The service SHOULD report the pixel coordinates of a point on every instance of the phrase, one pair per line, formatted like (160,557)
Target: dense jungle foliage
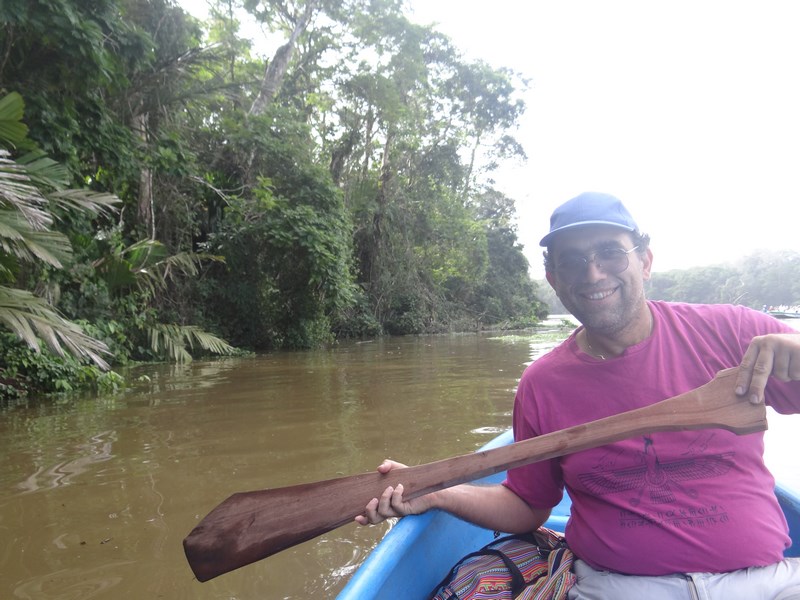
(164,192)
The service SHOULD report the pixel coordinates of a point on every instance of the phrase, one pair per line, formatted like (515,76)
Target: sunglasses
(609,260)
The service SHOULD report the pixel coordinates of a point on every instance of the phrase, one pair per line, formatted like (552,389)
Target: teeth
(599,295)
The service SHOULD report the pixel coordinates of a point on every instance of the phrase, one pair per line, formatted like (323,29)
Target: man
(663,516)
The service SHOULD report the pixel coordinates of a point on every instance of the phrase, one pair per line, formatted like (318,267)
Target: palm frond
(43,170)
(145,253)
(17,191)
(149,266)
(171,340)
(168,340)
(9,267)
(132,266)
(19,239)
(31,318)
(86,200)
(207,341)
(186,263)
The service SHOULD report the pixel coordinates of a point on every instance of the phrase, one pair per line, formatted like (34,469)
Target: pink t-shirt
(670,502)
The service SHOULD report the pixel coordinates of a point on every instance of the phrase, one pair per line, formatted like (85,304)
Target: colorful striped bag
(535,566)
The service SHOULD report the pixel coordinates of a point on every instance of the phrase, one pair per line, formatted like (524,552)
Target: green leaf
(12,130)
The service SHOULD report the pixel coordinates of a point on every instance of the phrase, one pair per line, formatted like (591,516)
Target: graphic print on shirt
(653,482)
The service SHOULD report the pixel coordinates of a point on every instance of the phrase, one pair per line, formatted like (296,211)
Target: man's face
(601,300)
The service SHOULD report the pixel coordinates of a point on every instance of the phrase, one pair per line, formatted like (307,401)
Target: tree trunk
(277,67)
(368,129)
(377,219)
(145,203)
(468,177)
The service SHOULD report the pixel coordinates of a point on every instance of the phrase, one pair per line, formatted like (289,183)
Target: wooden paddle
(249,526)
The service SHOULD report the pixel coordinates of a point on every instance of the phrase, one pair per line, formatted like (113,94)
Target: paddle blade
(249,526)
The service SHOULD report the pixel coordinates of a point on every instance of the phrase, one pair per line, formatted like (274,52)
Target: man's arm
(493,507)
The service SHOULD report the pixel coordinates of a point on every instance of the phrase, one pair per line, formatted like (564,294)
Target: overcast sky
(688,111)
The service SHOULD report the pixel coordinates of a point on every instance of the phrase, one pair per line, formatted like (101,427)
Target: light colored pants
(780,581)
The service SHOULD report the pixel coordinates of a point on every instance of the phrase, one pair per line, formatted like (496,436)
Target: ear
(647,264)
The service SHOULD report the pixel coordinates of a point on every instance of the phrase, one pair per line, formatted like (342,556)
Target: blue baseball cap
(590,208)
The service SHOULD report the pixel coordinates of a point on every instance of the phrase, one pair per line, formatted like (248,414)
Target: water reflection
(73,584)
(96,450)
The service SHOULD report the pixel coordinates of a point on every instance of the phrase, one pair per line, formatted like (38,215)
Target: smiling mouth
(601,295)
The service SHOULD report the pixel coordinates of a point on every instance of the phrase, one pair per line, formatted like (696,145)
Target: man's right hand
(391,503)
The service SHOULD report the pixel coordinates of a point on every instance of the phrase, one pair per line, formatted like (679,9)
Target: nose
(593,270)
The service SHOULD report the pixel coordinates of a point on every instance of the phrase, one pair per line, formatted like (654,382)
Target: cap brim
(545,241)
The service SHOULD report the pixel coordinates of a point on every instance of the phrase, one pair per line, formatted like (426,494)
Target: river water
(96,494)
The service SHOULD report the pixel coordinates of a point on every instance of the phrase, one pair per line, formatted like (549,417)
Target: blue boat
(419,551)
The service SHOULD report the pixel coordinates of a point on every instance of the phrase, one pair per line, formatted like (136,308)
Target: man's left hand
(774,354)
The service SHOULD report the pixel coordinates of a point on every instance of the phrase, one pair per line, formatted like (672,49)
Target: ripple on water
(488,430)
(70,584)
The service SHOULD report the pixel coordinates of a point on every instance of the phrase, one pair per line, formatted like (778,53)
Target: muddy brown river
(96,494)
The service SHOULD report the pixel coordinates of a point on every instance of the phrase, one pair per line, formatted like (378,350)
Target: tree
(286,242)
(405,119)
(507,293)
(771,278)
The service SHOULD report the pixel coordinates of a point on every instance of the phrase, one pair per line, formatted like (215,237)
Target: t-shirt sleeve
(540,484)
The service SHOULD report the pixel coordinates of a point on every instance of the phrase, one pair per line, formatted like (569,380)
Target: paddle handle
(250,526)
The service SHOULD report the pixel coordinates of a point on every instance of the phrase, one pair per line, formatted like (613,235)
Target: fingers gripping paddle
(250,526)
